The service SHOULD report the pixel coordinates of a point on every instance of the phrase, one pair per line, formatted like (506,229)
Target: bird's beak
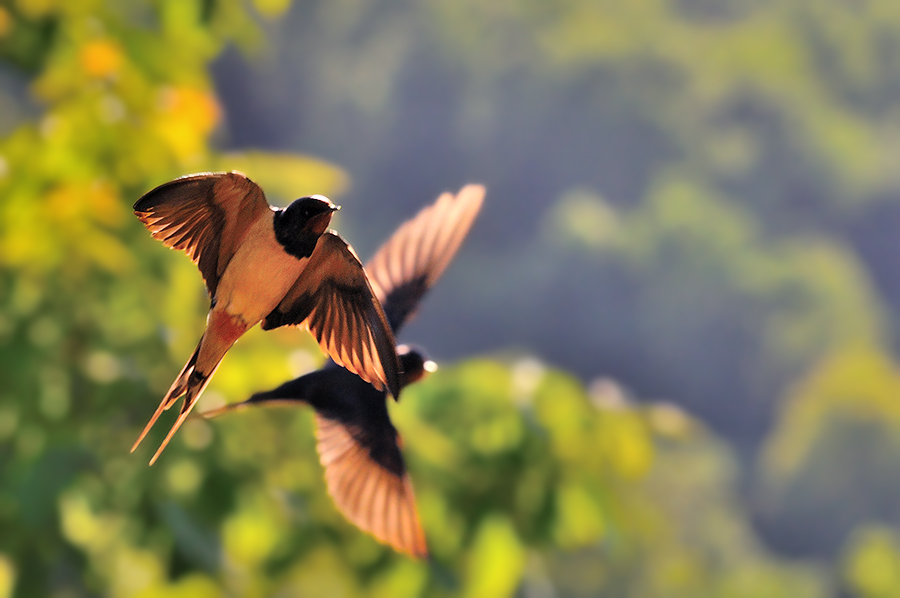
(319,223)
(428,367)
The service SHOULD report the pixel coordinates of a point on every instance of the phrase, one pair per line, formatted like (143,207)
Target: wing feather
(335,302)
(416,255)
(206,215)
(376,499)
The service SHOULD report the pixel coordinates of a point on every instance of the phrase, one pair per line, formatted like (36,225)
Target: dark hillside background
(668,348)
(778,118)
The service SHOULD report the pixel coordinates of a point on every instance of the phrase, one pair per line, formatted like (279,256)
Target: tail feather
(178,388)
(224,409)
(264,402)
(191,383)
(198,385)
(290,393)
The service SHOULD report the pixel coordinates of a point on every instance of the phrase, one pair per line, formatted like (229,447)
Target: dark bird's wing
(359,449)
(416,255)
(335,302)
(367,479)
(206,215)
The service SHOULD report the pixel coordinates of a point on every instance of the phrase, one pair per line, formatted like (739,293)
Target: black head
(414,363)
(299,226)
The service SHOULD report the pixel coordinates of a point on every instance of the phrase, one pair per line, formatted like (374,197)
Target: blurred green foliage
(528,483)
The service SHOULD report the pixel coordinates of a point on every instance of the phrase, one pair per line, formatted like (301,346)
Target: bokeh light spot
(44,333)
(301,362)
(55,393)
(197,434)
(9,419)
(184,476)
(7,577)
(102,367)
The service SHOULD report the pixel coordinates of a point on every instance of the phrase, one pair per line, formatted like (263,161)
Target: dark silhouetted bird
(357,444)
(278,266)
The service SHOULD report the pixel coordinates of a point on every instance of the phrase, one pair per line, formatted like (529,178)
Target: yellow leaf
(192,585)
(105,204)
(6,25)
(133,571)
(496,560)
(272,8)
(250,535)
(579,521)
(185,119)
(100,58)
(7,577)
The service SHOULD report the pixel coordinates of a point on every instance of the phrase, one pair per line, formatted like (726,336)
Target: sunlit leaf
(496,560)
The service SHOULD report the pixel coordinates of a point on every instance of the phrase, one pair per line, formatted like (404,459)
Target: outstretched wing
(206,215)
(367,480)
(335,302)
(359,449)
(416,255)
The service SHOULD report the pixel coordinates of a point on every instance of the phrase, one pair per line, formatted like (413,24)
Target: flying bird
(277,266)
(357,444)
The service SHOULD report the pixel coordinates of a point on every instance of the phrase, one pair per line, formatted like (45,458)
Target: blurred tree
(695,297)
(106,116)
(831,462)
(871,563)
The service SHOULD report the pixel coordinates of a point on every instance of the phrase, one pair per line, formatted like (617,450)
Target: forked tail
(197,385)
(189,383)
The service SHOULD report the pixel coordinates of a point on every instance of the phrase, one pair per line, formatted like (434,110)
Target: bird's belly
(256,280)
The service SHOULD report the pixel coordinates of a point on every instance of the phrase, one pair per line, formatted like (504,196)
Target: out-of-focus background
(667,347)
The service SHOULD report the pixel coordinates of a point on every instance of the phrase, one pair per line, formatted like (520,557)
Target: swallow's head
(414,363)
(310,214)
(299,226)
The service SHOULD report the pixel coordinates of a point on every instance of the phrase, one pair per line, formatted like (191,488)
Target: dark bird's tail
(288,394)
(224,409)
(257,399)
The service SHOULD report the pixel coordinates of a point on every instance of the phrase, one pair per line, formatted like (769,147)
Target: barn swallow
(277,266)
(357,444)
